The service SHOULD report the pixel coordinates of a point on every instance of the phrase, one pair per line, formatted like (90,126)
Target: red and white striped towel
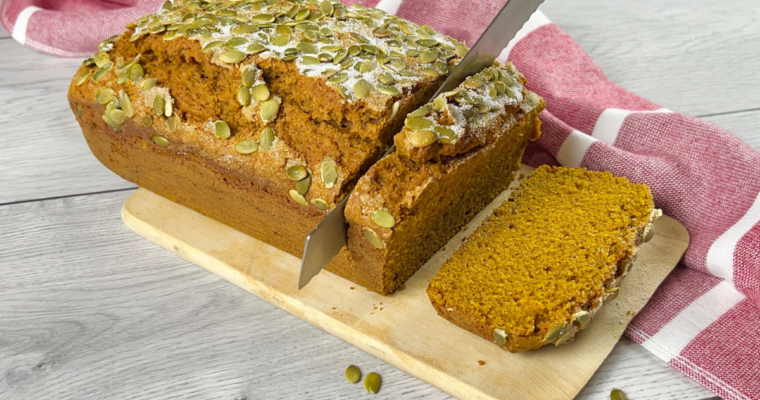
(705,318)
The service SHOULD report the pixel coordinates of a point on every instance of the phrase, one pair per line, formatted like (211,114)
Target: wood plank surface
(745,125)
(89,308)
(42,149)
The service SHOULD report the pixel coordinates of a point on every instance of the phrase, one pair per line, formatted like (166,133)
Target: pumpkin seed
(255,48)
(329,73)
(506,78)
(322,205)
(281,40)
(362,88)
(302,186)
(266,139)
(386,79)
(394,109)
(107,119)
(298,198)
(325,57)
(461,50)
(555,332)
(105,96)
(331,48)
(79,110)
(372,383)
(296,172)
(160,140)
(306,47)
(353,374)
(123,77)
(235,42)
(382,33)
(309,60)
(246,147)
(389,90)
(354,50)
(369,49)
(243,29)
(384,218)
(499,337)
(311,36)
(126,105)
(343,91)
(136,72)
(171,123)
(158,105)
(325,31)
(101,72)
(326,7)
(168,109)
(249,77)
(569,334)
(617,394)
(373,239)
(147,120)
(611,294)
(260,92)
(88,62)
(213,45)
(346,63)
(649,234)
(222,129)
(232,56)
(81,78)
(243,96)
(148,84)
(359,38)
(283,30)
(428,56)
(269,109)
(431,72)
(101,59)
(417,123)
(427,42)
(367,66)
(329,170)
(583,318)
(404,27)
(302,14)
(117,116)
(262,18)
(422,138)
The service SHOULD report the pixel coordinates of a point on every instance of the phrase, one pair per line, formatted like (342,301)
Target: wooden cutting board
(404,329)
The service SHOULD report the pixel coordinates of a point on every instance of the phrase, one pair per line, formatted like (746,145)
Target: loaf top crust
(467,117)
(269,89)
(542,265)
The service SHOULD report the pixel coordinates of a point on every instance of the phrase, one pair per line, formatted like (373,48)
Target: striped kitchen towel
(705,318)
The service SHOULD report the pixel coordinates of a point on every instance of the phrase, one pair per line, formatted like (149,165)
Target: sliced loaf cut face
(541,267)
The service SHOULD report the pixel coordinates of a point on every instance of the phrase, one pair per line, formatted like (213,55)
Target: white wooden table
(89,310)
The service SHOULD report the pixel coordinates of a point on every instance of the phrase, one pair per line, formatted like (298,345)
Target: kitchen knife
(326,240)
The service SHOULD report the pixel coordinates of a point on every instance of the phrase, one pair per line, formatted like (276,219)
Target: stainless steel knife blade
(326,240)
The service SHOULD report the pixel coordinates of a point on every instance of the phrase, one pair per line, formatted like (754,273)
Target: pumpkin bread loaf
(259,114)
(453,157)
(540,268)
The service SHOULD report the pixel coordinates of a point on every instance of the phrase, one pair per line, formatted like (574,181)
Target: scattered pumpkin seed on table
(617,394)
(353,374)
(372,383)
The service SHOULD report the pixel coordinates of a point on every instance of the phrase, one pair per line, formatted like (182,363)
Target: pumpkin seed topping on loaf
(541,267)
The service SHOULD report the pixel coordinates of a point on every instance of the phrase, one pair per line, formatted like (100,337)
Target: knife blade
(326,240)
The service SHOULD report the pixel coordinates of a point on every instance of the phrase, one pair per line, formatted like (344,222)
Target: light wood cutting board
(404,329)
